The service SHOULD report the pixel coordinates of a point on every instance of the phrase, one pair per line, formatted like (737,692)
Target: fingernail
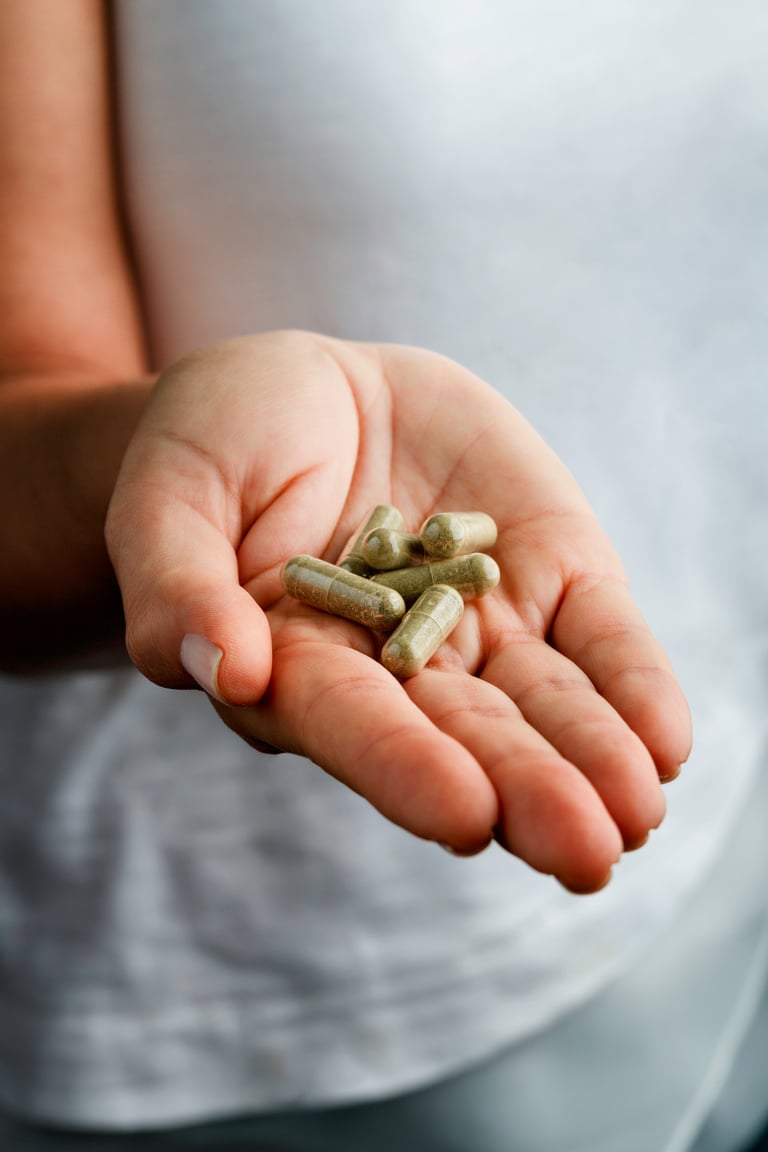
(201,659)
(673,775)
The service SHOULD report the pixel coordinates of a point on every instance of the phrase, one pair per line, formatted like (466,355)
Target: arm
(551,714)
(72,364)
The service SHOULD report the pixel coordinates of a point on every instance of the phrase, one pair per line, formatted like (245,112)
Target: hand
(550,714)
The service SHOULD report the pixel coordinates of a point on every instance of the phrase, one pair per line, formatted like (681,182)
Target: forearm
(62,439)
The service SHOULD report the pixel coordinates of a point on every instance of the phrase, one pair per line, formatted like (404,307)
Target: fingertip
(581,877)
(674,747)
(592,870)
(231,658)
(589,888)
(225,677)
(206,634)
(662,720)
(639,806)
(457,805)
(669,755)
(466,853)
(561,827)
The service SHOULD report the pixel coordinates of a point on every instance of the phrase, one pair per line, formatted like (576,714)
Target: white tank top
(189,928)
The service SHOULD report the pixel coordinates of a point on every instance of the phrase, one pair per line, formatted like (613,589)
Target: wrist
(62,440)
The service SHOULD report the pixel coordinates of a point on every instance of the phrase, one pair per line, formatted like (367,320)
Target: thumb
(188,619)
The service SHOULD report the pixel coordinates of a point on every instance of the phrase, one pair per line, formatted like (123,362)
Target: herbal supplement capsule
(456,533)
(472,576)
(334,590)
(422,630)
(385,548)
(382,516)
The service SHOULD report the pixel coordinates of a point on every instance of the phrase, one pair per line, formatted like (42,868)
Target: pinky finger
(600,628)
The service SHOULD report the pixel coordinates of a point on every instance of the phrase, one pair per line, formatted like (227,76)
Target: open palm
(550,714)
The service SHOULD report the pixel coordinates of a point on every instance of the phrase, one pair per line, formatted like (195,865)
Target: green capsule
(456,533)
(472,576)
(422,630)
(342,593)
(386,548)
(382,516)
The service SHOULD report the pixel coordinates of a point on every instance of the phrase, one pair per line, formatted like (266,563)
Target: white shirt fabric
(567,200)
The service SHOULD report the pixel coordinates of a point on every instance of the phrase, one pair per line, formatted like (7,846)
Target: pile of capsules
(413,583)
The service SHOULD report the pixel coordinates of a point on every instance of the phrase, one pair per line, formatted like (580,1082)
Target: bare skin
(73,371)
(549,717)
(551,713)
